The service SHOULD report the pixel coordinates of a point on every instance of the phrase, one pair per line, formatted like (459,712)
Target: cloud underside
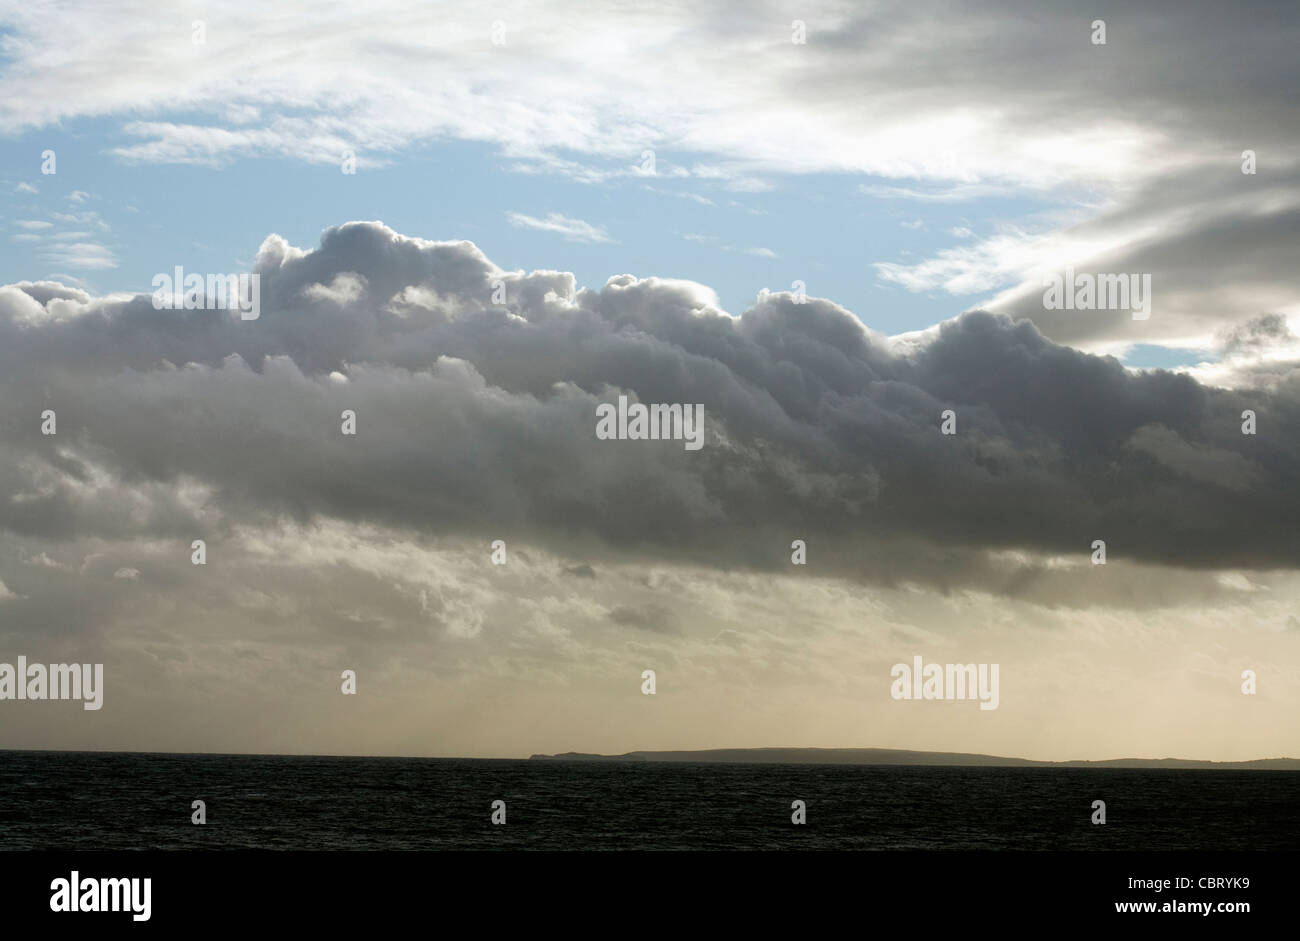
(476,420)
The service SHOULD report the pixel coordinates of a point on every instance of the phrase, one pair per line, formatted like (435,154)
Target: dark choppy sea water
(62,801)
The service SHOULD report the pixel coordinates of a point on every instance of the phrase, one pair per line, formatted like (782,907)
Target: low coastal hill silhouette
(898,756)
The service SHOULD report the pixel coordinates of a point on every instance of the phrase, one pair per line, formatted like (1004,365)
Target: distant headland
(898,756)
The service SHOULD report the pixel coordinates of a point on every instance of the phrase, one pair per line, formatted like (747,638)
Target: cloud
(1145,171)
(943,194)
(1217,466)
(1261,353)
(43,559)
(757,251)
(69,247)
(476,415)
(1250,226)
(1268,331)
(694,197)
(477,418)
(654,618)
(346,288)
(81,255)
(573,229)
(709,88)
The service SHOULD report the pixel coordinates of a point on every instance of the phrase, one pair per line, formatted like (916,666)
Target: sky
(827,243)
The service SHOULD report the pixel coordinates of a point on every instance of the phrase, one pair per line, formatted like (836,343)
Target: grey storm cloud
(1223,258)
(1260,333)
(478,419)
(654,618)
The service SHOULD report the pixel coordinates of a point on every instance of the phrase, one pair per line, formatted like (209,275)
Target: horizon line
(575,755)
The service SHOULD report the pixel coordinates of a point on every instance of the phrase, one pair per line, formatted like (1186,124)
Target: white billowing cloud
(346,288)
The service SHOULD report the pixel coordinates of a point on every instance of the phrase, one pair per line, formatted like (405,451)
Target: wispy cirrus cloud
(574,230)
(86,255)
(757,251)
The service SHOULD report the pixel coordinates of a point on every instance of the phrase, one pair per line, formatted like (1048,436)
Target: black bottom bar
(662,891)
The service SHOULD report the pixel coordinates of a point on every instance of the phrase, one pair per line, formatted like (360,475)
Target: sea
(125,801)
